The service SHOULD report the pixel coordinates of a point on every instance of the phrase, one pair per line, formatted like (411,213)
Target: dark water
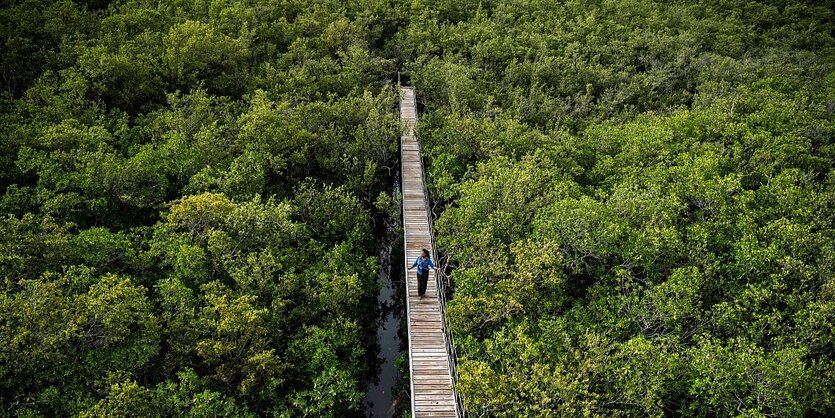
(385,392)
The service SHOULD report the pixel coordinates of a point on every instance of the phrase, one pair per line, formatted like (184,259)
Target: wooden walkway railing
(431,354)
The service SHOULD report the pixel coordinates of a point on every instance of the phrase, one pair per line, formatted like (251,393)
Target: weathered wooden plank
(426,339)
(435,337)
(419,363)
(423,346)
(435,350)
(423,408)
(438,337)
(431,393)
(426,344)
(425,327)
(437,414)
(431,371)
(439,357)
(428,308)
(431,380)
(422,352)
(433,388)
(417,354)
(440,366)
(428,319)
(427,394)
(427,334)
(440,398)
(447,404)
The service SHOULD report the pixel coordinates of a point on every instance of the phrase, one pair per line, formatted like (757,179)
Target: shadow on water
(385,395)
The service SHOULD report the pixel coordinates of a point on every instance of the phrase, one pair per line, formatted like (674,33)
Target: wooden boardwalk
(431,378)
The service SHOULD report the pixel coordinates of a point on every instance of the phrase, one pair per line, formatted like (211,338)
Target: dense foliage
(187,197)
(640,198)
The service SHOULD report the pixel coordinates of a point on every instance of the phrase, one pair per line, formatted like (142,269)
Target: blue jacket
(423,267)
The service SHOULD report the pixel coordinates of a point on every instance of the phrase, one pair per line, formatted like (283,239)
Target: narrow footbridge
(431,354)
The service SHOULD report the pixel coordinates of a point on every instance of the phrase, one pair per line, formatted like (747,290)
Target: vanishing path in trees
(433,393)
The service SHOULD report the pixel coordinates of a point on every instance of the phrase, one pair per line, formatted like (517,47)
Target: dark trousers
(422,280)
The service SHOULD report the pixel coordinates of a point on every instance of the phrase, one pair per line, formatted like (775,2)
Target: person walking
(423,264)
